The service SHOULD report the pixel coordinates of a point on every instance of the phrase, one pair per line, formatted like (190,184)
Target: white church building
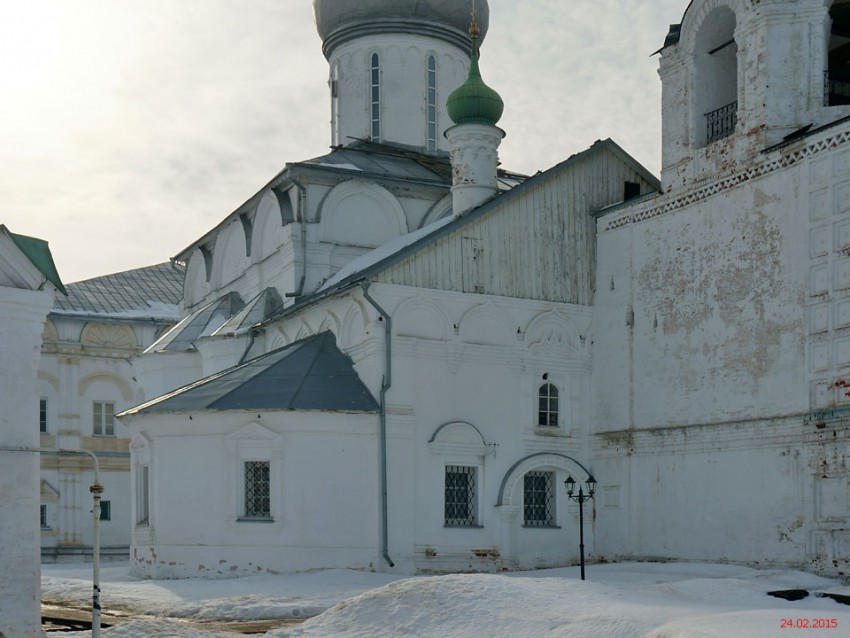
(393,356)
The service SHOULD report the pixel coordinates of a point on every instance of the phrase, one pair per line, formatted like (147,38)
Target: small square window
(460,496)
(106,510)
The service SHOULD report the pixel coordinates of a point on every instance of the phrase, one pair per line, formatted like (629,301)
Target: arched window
(547,406)
(837,80)
(375,75)
(431,123)
(716,80)
(335,104)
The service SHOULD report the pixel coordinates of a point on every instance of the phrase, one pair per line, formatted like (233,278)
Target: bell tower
(739,77)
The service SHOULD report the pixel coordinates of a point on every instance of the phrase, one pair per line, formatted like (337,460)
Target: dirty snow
(650,600)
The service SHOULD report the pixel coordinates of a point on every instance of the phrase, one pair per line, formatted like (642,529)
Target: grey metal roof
(201,323)
(340,21)
(373,159)
(260,308)
(311,374)
(151,292)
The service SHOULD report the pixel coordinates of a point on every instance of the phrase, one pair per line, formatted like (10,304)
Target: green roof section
(473,102)
(38,252)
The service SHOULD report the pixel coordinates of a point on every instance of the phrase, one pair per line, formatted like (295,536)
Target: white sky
(129,128)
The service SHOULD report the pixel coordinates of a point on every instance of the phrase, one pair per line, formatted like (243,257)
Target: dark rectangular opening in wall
(630,190)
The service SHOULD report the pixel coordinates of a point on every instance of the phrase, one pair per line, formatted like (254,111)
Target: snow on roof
(380,253)
(150,292)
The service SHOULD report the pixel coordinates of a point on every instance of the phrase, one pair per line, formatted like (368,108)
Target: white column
(475,160)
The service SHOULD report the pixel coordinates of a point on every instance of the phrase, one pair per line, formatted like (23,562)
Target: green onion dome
(473,101)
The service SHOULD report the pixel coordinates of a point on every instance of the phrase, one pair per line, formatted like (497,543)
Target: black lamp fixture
(580,498)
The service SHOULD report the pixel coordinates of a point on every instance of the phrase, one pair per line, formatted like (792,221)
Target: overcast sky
(128,128)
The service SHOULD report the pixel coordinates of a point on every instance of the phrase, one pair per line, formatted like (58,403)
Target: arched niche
(486,324)
(551,333)
(196,282)
(421,319)
(230,257)
(442,208)
(108,335)
(509,494)
(49,334)
(459,437)
(356,213)
(102,377)
(353,326)
(330,323)
(268,226)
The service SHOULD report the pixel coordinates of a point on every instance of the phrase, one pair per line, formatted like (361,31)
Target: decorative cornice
(730,181)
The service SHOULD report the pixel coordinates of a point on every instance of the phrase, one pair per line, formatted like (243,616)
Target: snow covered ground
(628,600)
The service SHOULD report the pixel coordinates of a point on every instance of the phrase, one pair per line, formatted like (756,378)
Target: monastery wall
(731,350)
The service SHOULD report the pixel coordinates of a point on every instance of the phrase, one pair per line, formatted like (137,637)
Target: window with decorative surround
(103,421)
(547,405)
(538,499)
(257,490)
(460,496)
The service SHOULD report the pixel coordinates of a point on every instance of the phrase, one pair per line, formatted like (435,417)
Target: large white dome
(339,21)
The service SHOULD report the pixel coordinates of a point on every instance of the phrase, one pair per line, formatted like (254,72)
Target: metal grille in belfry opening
(460,495)
(257,502)
(538,495)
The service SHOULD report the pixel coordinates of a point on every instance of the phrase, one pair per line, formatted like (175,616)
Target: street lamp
(580,498)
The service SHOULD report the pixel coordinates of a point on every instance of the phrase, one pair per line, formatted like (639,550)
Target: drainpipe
(251,334)
(96,489)
(386,383)
(302,204)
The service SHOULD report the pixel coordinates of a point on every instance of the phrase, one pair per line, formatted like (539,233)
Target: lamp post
(580,498)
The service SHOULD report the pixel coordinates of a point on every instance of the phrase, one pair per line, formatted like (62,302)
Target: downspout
(251,334)
(302,204)
(386,383)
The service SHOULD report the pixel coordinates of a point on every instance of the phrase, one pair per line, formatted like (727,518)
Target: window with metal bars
(431,123)
(42,415)
(547,405)
(375,79)
(257,489)
(460,506)
(539,499)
